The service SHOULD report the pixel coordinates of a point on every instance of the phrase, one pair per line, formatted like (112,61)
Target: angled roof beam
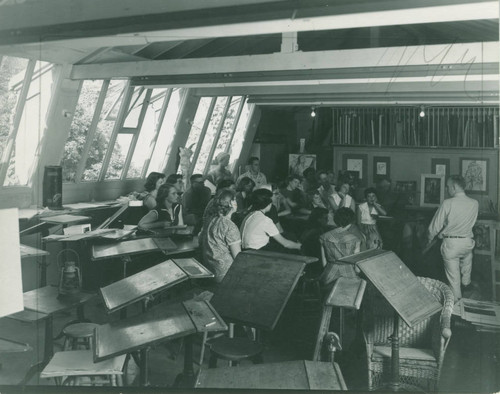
(282,19)
(438,58)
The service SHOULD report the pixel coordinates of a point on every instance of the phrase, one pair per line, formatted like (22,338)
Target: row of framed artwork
(474,170)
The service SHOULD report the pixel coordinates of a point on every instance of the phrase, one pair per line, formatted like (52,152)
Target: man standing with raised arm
(453,223)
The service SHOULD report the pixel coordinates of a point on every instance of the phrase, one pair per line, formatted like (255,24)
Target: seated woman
(153,182)
(258,231)
(342,199)
(168,211)
(177,181)
(243,191)
(220,171)
(342,241)
(315,227)
(222,241)
(295,197)
(367,219)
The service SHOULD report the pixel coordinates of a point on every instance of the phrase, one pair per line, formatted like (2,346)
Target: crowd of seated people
(250,214)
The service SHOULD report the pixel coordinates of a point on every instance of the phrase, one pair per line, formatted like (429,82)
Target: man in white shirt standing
(453,223)
(254,173)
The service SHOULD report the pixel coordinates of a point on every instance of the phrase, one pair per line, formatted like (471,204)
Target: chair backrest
(378,325)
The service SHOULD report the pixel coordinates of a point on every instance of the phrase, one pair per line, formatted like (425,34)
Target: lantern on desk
(70,278)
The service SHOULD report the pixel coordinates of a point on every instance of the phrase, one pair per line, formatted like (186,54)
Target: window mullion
(217,135)
(133,143)
(245,136)
(91,132)
(158,125)
(4,165)
(120,119)
(203,133)
(235,123)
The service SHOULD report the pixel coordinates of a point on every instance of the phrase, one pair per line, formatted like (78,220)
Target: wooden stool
(78,334)
(72,367)
(234,350)
(309,291)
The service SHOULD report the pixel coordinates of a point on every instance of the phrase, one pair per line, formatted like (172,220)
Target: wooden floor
(471,363)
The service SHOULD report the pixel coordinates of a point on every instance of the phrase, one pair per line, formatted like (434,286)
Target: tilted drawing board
(399,286)
(257,287)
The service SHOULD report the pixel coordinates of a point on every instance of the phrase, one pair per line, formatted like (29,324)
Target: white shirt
(366,213)
(256,230)
(347,200)
(456,215)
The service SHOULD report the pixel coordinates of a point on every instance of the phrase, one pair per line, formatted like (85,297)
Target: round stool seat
(235,349)
(80,330)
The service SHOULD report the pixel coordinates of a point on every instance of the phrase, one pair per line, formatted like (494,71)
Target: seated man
(295,197)
(253,173)
(195,200)
(342,241)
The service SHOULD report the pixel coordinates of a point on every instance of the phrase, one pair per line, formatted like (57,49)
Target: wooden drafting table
(65,220)
(29,251)
(290,375)
(131,247)
(160,323)
(152,280)
(257,287)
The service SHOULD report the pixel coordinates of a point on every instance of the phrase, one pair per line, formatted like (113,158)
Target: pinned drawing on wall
(297,163)
(440,167)
(357,163)
(381,167)
(475,173)
(431,190)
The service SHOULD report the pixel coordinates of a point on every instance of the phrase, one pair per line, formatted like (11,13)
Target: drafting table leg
(322,330)
(186,378)
(144,366)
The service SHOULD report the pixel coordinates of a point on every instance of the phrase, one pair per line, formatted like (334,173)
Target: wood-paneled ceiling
(312,50)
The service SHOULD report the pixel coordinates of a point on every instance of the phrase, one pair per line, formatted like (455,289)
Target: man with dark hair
(295,197)
(342,241)
(195,200)
(253,173)
(453,222)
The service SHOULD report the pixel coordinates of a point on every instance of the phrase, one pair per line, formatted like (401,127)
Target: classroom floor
(471,363)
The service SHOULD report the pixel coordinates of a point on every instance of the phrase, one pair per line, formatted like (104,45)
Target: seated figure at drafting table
(168,211)
(222,241)
(344,240)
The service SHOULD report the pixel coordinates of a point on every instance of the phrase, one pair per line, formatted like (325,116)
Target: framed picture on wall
(431,190)
(297,163)
(475,173)
(440,167)
(381,167)
(356,162)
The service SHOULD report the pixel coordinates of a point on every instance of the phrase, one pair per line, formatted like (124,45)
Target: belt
(454,236)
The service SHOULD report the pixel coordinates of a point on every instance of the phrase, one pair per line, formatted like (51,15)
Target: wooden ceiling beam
(439,58)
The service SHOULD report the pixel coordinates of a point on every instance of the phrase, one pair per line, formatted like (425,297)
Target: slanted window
(219,125)
(26,89)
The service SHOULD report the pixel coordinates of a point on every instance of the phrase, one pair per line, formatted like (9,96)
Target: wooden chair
(78,334)
(422,347)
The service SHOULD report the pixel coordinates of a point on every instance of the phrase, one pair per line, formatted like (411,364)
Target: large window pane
(199,120)
(104,129)
(227,128)
(132,118)
(239,136)
(143,148)
(118,156)
(163,145)
(82,119)
(12,72)
(32,126)
(215,120)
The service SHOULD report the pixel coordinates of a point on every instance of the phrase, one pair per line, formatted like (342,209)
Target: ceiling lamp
(313,112)
(422,112)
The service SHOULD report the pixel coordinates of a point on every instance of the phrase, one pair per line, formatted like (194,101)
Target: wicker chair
(422,347)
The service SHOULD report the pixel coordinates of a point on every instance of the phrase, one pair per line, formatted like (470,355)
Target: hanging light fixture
(313,112)
(422,112)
